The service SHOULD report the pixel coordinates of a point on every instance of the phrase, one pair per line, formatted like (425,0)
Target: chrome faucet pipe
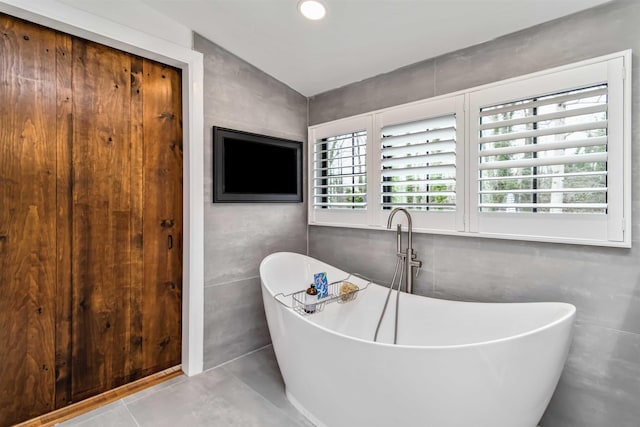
(408,255)
(395,211)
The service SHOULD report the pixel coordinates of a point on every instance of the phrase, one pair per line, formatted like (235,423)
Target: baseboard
(91,403)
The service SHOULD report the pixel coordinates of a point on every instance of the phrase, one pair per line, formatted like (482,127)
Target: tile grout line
(148,391)
(433,266)
(231,281)
(608,328)
(133,417)
(435,68)
(236,358)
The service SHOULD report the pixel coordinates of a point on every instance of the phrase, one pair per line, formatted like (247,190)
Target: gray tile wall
(601,382)
(238,235)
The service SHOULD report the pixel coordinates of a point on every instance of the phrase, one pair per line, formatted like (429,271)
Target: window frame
(574,227)
(340,217)
(586,230)
(433,221)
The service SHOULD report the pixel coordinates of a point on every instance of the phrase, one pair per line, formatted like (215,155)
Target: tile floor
(246,392)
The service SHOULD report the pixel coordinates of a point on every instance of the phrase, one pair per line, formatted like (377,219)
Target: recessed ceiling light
(312,9)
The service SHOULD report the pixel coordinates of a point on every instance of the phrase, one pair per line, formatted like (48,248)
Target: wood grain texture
(64,134)
(90,219)
(27,219)
(101,223)
(161,302)
(135,367)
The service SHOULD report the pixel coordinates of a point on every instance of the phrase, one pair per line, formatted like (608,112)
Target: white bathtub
(456,364)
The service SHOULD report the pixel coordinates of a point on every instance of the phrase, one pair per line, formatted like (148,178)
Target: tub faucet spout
(408,256)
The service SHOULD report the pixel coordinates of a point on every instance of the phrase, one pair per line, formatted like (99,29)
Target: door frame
(76,22)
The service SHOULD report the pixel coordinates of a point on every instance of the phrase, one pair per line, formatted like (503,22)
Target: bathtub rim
(571,312)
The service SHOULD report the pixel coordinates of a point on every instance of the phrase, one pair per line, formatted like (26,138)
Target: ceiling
(358,38)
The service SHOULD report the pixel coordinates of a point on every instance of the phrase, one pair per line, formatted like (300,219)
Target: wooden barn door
(90,219)
(101,219)
(158,328)
(27,220)
(126,219)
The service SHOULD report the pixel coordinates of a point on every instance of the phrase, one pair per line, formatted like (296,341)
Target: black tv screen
(248,167)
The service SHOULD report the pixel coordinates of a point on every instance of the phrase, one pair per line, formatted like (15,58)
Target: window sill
(520,237)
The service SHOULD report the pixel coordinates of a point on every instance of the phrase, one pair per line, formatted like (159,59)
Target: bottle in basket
(310,299)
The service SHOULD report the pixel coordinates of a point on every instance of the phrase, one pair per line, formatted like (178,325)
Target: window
(547,156)
(340,165)
(542,157)
(420,163)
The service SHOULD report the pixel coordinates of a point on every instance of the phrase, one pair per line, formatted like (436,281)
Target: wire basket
(341,291)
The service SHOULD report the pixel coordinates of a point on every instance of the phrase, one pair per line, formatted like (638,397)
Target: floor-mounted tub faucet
(408,256)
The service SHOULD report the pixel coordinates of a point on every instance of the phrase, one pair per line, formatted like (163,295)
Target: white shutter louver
(418,165)
(546,154)
(339,165)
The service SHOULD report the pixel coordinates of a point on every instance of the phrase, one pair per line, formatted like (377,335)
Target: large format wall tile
(600,385)
(370,253)
(239,235)
(603,283)
(374,93)
(234,321)
(239,96)
(587,34)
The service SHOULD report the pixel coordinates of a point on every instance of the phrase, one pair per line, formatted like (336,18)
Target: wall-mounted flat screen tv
(255,168)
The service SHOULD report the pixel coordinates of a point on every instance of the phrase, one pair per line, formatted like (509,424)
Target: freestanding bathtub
(455,364)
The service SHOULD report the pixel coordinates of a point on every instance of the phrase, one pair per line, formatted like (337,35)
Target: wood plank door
(27,219)
(158,342)
(127,218)
(90,219)
(101,218)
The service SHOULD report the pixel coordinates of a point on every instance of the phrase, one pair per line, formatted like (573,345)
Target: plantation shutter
(418,164)
(542,157)
(545,154)
(339,164)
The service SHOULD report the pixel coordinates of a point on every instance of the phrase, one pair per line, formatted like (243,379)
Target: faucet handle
(418,265)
